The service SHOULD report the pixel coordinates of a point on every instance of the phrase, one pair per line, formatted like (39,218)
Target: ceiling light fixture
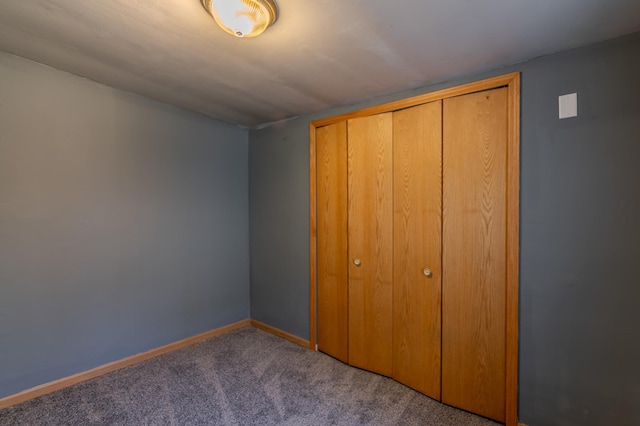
(242,18)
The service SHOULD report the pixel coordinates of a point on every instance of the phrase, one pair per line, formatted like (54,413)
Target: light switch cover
(568,105)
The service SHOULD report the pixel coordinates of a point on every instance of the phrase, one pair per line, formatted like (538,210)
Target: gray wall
(123,224)
(580,233)
(580,239)
(279,224)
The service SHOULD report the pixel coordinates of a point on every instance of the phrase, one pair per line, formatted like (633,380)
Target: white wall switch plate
(568,105)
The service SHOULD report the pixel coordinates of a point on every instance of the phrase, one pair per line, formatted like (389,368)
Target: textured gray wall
(580,239)
(123,224)
(580,233)
(279,224)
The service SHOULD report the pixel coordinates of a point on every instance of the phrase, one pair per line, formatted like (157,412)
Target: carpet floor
(246,377)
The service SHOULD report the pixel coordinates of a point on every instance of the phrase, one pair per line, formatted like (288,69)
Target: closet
(414,243)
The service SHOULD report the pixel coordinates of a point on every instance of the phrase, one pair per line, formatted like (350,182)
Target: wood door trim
(512,82)
(313,241)
(476,86)
(513,249)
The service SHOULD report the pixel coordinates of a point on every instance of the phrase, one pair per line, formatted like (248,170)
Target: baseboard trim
(55,385)
(283,334)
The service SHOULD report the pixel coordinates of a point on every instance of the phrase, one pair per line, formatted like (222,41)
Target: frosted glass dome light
(242,18)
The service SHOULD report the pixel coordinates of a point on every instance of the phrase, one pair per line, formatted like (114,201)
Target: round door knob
(357,262)
(427,272)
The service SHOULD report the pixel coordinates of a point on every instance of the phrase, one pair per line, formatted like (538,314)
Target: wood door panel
(417,161)
(474,252)
(370,236)
(331,189)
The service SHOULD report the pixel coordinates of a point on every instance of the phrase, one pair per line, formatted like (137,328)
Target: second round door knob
(357,262)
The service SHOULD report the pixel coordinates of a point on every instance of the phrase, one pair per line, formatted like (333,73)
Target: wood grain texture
(313,241)
(513,252)
(331,184)
(113,366)
(475,134)
(281,333)
(417,160)
(512,82)
(370,235)
(475,86)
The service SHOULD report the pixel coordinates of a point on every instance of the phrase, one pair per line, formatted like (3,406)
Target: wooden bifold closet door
(413,244)
(331,181)
(474,253)
(417,189)
(370,240)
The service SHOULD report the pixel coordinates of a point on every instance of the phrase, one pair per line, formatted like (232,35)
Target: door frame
(512,83)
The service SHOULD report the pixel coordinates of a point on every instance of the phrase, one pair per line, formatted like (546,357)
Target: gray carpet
(246,377)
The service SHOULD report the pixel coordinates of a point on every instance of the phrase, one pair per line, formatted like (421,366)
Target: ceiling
(319,54)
